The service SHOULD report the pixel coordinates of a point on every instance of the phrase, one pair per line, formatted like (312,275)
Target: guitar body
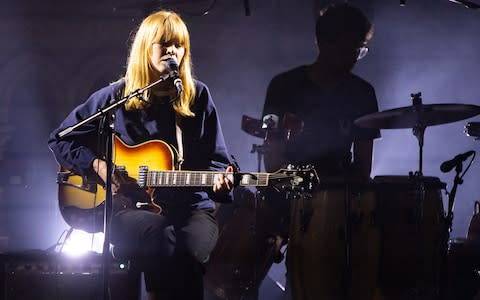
(155,154)
(81,199)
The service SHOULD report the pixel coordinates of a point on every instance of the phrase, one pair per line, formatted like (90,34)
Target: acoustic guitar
(152,165)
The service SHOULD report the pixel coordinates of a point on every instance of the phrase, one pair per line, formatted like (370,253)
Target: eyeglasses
(362,52)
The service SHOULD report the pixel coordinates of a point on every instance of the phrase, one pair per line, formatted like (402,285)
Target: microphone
(448,165)
(177,82)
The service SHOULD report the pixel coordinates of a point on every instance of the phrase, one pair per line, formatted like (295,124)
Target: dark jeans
(170,249)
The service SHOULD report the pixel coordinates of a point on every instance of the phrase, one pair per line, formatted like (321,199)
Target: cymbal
(418,115)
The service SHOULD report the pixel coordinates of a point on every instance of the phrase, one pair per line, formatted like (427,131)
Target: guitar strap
(178,130)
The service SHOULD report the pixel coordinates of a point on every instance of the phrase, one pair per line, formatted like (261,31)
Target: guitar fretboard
(199,178)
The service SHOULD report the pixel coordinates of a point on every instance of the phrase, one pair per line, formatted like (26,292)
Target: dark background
(53,54)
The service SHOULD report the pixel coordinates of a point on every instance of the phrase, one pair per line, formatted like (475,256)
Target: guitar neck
(197,178)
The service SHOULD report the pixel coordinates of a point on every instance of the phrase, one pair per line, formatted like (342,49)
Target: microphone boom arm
(103,111)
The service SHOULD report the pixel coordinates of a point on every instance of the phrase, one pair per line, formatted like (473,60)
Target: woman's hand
(222,183)
(100,167)
(121,182)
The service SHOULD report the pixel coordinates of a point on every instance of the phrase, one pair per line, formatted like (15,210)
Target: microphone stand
(108,129)
(451,196)
(448,228)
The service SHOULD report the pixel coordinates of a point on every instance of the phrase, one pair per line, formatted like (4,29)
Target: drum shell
(316,258)
(463,269)
(473,232)
(250,234)
(413,234)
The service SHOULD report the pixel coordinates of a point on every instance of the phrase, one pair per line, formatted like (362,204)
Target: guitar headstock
(302,178)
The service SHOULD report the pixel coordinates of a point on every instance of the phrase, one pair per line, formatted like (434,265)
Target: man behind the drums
(327,97)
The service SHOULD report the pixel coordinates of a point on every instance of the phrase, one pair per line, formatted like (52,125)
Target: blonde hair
(159,27)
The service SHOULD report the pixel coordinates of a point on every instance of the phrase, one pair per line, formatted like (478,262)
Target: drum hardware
(303,192)
(473,129)
(271,125)
(260,129)
(306,212)
(473,232)
(417,179)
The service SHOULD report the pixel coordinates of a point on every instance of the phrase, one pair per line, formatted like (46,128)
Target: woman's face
(163,51)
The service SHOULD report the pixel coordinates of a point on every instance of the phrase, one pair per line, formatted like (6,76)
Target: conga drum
(463,269)
(413,236)
(250,237)
(333,249)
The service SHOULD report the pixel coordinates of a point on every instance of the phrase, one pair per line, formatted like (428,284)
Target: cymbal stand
(419,128)
(419,131)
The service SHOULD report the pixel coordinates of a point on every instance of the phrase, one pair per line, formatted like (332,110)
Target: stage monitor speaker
(38,275)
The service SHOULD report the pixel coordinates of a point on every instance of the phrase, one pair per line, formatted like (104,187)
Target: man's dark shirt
(328,115)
